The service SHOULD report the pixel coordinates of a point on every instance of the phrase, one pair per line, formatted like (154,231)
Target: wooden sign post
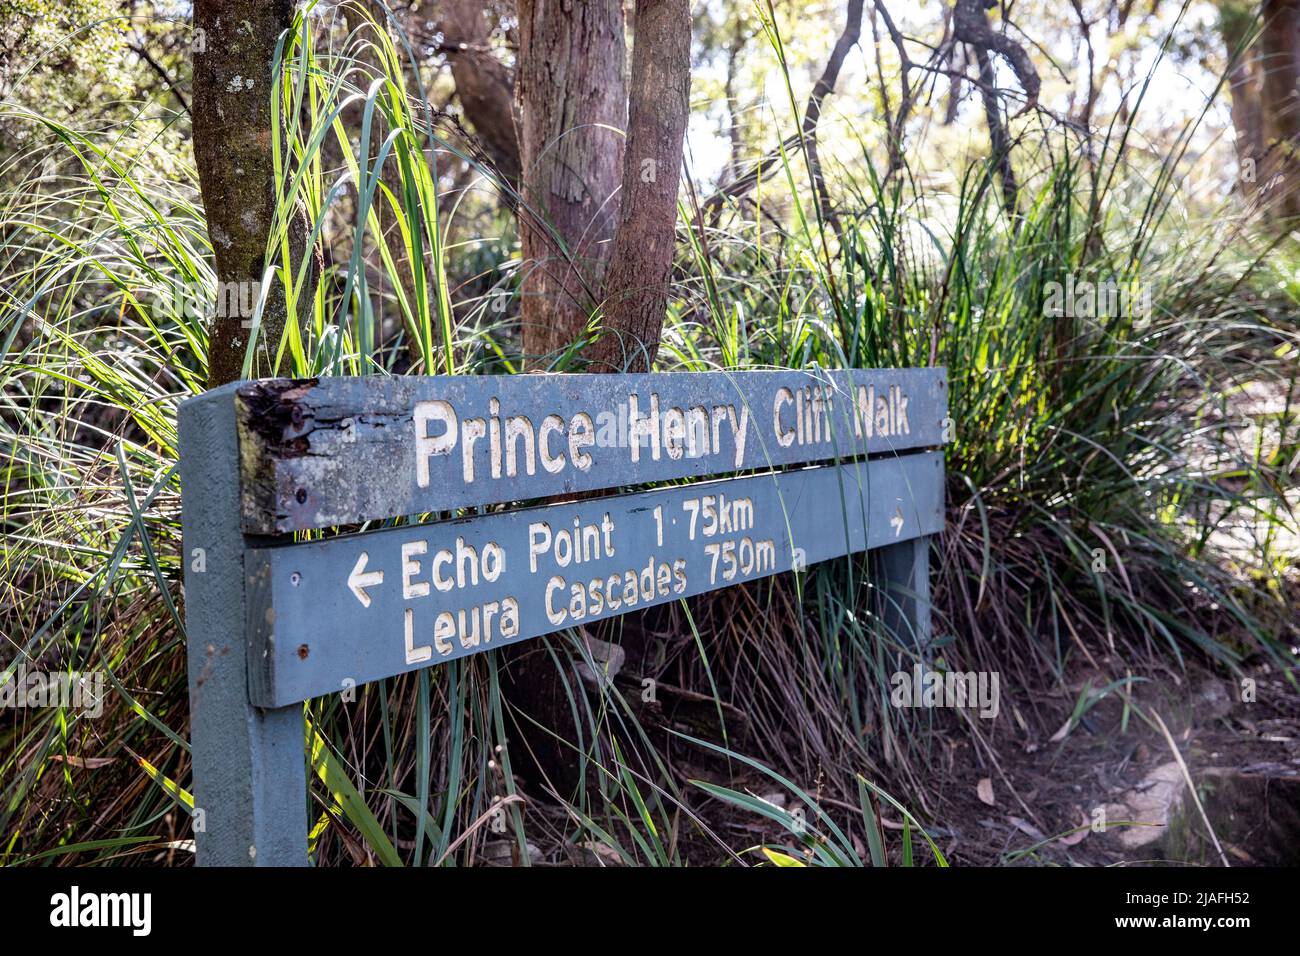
(272,622)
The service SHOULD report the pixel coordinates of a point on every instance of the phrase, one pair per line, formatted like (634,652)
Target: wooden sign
(344,611)
(273,621)
(339,451)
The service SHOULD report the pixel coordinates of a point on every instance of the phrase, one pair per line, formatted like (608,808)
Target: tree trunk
(234,48)
(1280,59)
(812,116)
(970,25)
(735,133)
(636,289)
(957,62)
(574,171)
(483,83)
(1244,85)
(999,139)
(571,88)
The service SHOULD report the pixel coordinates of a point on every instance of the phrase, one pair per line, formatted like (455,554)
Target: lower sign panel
(329,615)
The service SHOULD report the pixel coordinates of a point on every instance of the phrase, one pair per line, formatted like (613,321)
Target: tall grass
(1093,463)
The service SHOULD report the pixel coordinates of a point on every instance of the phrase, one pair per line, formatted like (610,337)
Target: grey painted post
(904,570)
(248,764)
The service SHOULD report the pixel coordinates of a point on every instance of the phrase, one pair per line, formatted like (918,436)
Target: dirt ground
(1242,755)
(1111,789)
(1107,789)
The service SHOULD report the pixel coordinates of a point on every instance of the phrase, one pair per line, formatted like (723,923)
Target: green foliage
(56,51)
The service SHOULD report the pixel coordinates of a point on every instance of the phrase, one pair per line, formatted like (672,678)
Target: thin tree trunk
(1244,83)
(571,88)
(956,86)
(1280,59)
(825,86)
(235,46)
(483,83)
(898,123)
(970,25)
(636,289)
(1085,35)
(999,140)
(734,133)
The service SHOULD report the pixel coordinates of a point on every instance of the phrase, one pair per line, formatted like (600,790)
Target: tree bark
(232,150)
(999,139)
(571,89)
(1280,59)
(636,288)
(970,25)
(483,84)
(1244,84)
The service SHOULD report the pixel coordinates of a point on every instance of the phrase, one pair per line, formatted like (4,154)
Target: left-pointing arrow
(360,579)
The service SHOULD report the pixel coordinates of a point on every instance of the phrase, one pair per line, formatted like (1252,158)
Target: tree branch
(824,86)
(139,50)
(971,26)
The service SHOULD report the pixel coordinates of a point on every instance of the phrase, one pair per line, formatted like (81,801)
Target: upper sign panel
(322,452)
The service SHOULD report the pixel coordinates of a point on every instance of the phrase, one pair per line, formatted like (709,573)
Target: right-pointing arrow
(896,522)
(360,579)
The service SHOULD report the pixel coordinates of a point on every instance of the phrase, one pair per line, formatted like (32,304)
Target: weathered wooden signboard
(273,621)
(343,450)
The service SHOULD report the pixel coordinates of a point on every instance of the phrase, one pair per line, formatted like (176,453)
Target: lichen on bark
(234,50)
